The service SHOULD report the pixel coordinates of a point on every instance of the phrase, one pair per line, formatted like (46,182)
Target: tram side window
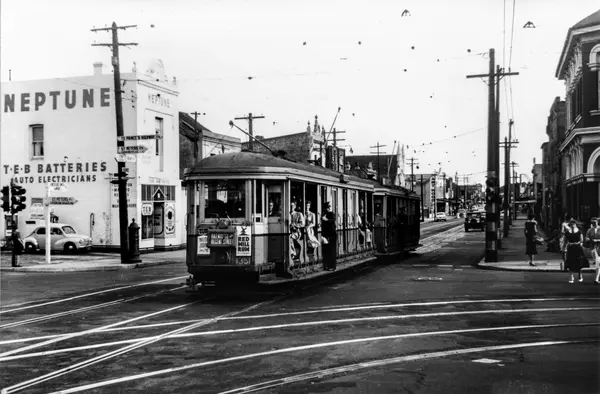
(225,199)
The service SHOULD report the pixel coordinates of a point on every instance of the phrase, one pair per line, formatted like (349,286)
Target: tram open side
(240,218)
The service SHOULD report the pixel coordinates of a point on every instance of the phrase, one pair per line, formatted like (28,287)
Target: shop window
(37,141)
(225,199)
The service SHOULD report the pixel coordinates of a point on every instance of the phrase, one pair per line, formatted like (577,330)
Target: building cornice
(578,133)
(568,45)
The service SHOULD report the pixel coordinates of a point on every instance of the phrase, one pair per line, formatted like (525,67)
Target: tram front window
(225,199)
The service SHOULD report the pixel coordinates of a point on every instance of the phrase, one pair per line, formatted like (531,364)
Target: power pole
(422,210)
(378,146)
(515,188)
(335,139)
(122,178)
(508,143)
(412,161)
(198,137)
(250,118)
(493,146)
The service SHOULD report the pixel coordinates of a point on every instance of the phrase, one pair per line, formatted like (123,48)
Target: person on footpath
(328,235)
(530,232)
(564,226)
(576,260)
(593,237)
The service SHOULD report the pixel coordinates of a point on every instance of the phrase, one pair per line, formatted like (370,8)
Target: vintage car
(439,216)
(62,237)
(475,220)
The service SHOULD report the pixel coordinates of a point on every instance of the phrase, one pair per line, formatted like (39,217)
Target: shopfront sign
(243,245)
(56,100)
(170,218)
(147,209)
(66,172)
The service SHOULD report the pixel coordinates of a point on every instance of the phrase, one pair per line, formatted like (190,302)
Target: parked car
(62,237)
(439,216)
(475,220)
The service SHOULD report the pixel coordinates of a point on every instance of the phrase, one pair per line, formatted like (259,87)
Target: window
(41,231)
(225,199)
(69,230)
(159,141)
(147,227)
(576,100)
(37,141)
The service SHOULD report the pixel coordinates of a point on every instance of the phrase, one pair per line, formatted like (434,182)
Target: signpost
(51,187)
(133,149)
(122,158)
(139,137)
(62,201)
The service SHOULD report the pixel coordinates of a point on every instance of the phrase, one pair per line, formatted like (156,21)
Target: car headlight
(81,242)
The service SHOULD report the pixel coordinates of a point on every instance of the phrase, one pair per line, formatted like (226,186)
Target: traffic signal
(5,199)
(17,198)
(490,192)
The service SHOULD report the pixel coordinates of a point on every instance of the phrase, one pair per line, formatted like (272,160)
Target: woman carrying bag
(530,238)
(575,260)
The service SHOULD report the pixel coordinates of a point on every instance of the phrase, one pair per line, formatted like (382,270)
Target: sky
(397,80)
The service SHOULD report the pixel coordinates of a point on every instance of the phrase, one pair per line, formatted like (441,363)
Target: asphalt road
(430,323)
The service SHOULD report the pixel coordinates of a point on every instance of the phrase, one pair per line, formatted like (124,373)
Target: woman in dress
(310,221)
(530,232)
(576,260)
(328,232)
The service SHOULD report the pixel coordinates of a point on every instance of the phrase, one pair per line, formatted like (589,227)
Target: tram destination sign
(132,149)
(139,137)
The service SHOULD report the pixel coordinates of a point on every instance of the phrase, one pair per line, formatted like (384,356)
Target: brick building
(579,67)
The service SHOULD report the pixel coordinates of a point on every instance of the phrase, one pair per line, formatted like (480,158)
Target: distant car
(439,216)
(62,237)
(475,220)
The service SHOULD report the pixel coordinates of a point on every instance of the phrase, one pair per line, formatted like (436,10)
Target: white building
(64,130)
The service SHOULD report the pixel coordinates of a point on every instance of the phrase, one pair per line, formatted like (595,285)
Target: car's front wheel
(70,247)
(29,247)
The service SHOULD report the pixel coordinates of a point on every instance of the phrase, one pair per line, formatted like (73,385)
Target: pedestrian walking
(593,238)
(563,240)
(328,234)
(575,260)
(530,232)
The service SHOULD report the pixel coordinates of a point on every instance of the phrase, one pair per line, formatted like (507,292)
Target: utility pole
(250,118)
(508,143)
(412,161)
(515,188)
(422,207)
(335,139)
(493,146)
(198,137)
(378,146)
(122,178)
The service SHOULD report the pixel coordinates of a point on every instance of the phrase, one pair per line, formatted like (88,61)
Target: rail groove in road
(382,362)
(302,324)
(321,345)
(84,295)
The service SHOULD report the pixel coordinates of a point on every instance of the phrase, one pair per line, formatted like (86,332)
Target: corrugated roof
(186,128)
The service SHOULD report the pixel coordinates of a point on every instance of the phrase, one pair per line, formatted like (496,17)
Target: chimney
(97,68)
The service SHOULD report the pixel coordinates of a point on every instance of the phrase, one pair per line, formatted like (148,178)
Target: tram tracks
(241,317)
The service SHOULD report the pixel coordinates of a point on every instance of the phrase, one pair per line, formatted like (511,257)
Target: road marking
(86,363)
(348,305)
(95,330)
(92,294)
(379,363)
(306,324)
(84,309)
(317,346)
(487,361)
(432,303)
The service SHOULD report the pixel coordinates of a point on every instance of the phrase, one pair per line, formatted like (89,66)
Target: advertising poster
(244,241)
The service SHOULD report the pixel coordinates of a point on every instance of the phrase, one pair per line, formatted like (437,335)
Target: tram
(253,217)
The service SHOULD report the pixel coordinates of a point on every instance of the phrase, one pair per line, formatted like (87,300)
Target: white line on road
(297,349)
(432,303)
(333,308)
(84,309)
(92,294)
(95,330)
(305,324)
(115,353)
(379,363)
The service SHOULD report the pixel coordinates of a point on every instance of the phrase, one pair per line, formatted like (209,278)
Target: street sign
(121,158)
(133,149)
(139,137)
(57,186)
(62,201)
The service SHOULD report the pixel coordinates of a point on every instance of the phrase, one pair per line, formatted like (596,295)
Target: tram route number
(221,238)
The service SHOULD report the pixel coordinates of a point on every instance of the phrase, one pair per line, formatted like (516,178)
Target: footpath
(92,261)
(512,257)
